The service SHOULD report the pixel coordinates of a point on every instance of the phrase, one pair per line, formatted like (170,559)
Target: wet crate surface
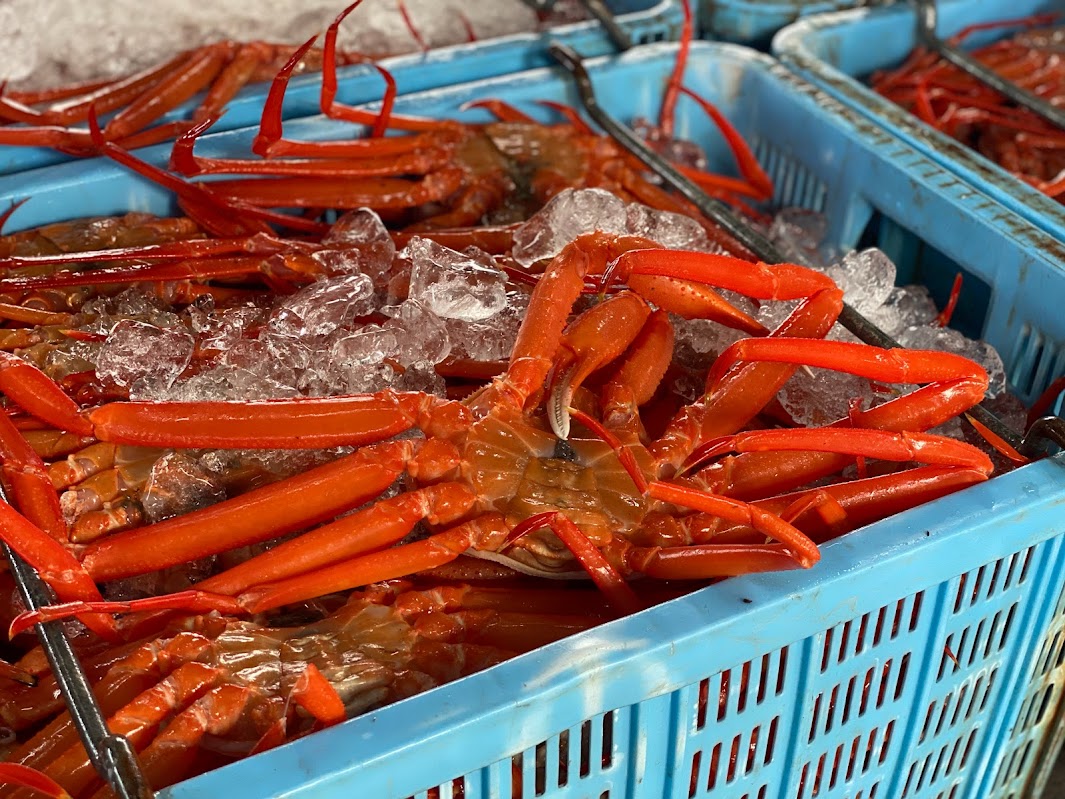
(921,657)
(839,51)
(643,20)
(754,22)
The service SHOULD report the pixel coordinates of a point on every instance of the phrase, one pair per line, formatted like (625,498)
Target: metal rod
(112,755)
(927,19)
(758,244)
(597,9)
(618,35)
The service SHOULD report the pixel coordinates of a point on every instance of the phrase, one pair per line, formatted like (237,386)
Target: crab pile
(283,468)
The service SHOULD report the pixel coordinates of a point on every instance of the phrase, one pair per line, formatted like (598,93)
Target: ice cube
(906,306)
(356,362)
(493,339)
(136,351)
(930,337)
(567,215)
(867,279)
(420,333)
(798,234)
(179,484)
(700,341)
(324,306)
(364,245)
(453,285)
(673,231)
(420,376)
(825,397)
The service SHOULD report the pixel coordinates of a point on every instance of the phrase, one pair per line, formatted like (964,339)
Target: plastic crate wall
(645,21)
(898,667)
(753,22)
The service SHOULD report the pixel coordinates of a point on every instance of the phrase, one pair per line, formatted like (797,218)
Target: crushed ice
(62,41)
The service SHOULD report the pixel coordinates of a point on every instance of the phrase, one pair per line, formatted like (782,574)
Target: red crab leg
(705,561)
(759,474)
(214,213)
(635,381)
(260,244)
(173,90)
(676,77)
(258,515)
(269,424)
(863,501)
(484,532)
(570,114)
(304,191)
(31,487)
(729,405)
(379,526)
(172,756)
(15,774)
(761,281)
(36,393)
(890,366)
(803,549)
(501,110)
(749,167)
(883,444)
(114,95)
(315,694)
(398,155)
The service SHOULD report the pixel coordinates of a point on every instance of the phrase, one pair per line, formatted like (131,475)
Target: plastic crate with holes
(840,51)
(922,657)
(643,21)
(753,22)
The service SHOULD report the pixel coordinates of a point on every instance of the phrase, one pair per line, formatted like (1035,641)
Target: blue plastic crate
(753,22)
(644,20)
(839,51)
(833,682)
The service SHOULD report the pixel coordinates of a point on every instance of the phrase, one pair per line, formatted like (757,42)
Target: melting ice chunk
(453,285)
(364,245)
(567,215)
(139,353)
(323,306)
(178,484)
(420,333)
(674,231)
(866,277)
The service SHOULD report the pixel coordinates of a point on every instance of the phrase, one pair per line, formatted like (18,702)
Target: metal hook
(597,10)
(1049,429)
(112,755)
(927,19)
(720,213)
